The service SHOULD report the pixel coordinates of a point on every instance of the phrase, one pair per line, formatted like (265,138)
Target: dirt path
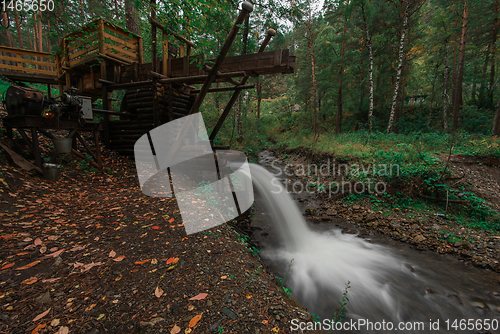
(91,254)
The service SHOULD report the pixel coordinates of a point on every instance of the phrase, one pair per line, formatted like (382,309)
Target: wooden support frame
(247,8)
(232,101)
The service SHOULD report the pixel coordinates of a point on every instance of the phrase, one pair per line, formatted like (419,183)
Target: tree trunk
(446,98)
(493,52)
(239,125)
(7,31)
(259,96)
(338,119)
(18,29)
(132,22)
(431,102)
(40,40)
(313,69)
(400,68)
(455,48)
(495,131)
(460,73)
(370,67)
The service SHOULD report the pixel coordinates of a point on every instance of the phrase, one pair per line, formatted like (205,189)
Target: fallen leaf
(32,264)
(187,330)
(41,315)
(96,239)
(199,296)
(53,249)
(77,248)
(175,330)
(118,278)
(172,260)
(190,307)
(154,261)
(55,254)
(171,220)
(119,258)
(55,322)
(102,315)
(63,330)
(43,249)
(37,242)
(158,292)
(22,253)
(37,328)
(53,237)
(90,307)
(30,281)
(194,321)
(142,262)
(51,280)
(8,265)
(112,254)
(223,277)
(155,227)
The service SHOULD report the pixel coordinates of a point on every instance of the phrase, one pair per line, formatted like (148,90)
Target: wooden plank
(128,61)
(141,56)
(277,57)
(81,52)
(28,61)
(126,42)
(82,60)
(84,43)
(28,69)
(120,49)
(120,31)
(25,52)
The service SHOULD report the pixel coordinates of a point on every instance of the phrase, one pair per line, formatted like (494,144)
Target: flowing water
(389,281)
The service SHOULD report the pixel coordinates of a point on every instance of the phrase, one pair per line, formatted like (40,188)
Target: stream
(394,288)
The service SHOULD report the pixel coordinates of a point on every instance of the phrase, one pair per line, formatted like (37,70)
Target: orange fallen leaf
(170,260)
(41,315)
(199,296)
(112,254)
(119,258)
(37,328)
(171,220)
(142,262)
(23,253)
(175,330)
(30,281)
(32,264)
(8,265)
(155,227)
(194,321)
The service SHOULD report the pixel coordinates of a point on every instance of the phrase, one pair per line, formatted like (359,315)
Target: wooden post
(229,106)
(36,147)
(153,35)
(141,56)
(59,73)
(164,69)
(106,117)
(247,8)
(66,56)
(49,93)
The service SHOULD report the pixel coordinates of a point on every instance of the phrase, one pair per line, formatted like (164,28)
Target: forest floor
(424,229)
(91,254)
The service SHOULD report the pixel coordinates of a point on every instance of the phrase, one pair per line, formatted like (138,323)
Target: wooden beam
(229,106)
(225,89)
(228,75)
(167,31)
(247,8)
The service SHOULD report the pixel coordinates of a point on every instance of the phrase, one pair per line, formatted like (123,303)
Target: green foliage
(339,315)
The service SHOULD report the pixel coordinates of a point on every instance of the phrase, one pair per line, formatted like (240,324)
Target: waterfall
(325,262)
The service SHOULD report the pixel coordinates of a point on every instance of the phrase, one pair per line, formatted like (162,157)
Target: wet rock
(419,238)
(410,268)
(331,212)
(229,313)
(216,325)
(311,212)
(370,217)
(457,244)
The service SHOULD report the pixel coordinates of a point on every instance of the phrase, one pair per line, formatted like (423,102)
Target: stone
(331,212)
(229,313)
(358,219)
(310,212)
(58,261)
(419,238)
(370,217)
(216,325)
(457,244)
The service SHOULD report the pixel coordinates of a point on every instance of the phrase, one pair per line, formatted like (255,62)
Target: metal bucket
(63,145)
(51,172)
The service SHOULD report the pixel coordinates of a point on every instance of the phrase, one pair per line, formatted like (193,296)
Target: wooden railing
(27,61)
(101,39)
